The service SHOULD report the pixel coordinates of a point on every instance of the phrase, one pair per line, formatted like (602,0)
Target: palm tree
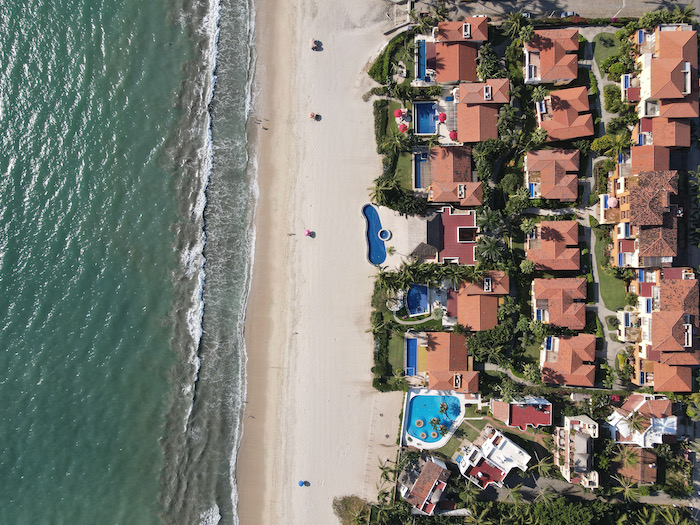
(540,93)
(395,143)
(489,220)
(620,143)
(490,248)
(627,456)
(684,16)
(514,493)
(479,518)
(671,516)
(630,491)
(470,494)
(526,34)
(636,421)
(514,22)
(644,516)
(528,225)
(544,467)
(382,187)
(546,496)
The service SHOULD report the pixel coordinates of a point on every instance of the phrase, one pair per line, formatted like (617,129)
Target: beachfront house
(520,413)
(444,176)
(490,458)
(474,305)
(423,483)
(448,55)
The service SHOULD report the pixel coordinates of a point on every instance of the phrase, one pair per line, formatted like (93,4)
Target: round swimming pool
(384,235)
(425,419)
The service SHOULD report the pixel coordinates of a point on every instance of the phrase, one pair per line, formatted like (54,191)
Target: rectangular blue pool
(411,357)
(418,159)
(421,60)
(424,118)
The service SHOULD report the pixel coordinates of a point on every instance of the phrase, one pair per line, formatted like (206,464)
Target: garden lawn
(612,289)
(600,52)
(392,127)
(404,170)
(396,352)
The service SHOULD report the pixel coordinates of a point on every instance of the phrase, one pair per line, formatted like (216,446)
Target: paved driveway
(587,8)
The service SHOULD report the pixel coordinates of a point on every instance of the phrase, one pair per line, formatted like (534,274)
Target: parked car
(567,14)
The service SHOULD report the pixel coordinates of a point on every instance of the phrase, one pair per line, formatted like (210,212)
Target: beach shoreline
(311,412)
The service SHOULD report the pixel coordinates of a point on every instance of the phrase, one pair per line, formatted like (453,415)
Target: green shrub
(616,71)
(593,82)
(381,121)
(631,299)
(613,98)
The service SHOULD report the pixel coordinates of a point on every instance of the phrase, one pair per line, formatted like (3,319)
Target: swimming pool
(418,160)
(424,409)
(376,251)
(411,357)
(417,299)
(424,115)
(421,60)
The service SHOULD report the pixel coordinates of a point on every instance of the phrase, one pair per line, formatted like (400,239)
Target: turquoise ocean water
(121,353)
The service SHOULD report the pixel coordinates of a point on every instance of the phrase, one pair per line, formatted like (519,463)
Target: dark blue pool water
(421,60)
(411,356)
(424,114)
(376,251)
(417,299)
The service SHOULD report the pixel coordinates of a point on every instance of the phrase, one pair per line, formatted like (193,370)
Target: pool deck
(406,234)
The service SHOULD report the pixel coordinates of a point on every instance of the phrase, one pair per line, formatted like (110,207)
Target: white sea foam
(211,516)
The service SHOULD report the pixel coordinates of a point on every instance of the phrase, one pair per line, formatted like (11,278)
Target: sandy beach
(311,411)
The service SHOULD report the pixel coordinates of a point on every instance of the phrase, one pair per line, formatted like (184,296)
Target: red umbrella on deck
(403,128)
(398,113)
(453,135)
(442,117)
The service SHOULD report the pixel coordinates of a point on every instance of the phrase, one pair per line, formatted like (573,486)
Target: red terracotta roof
(558,49)
(500,284)
(448,363)
(451,177)
(558,171)
(650,158)
(429,475)
(670,132)
(455,62)
(454,32)
(643,471)
(489,473)
(567,109)
(672,378)
(473,93)
(651,197)
(572,364)
(477,312)
(520,414)
(558,296)
(477,122)
(680,295)
(554,250)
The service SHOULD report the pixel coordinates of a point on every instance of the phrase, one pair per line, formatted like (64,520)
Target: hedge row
(381,121)
(381,69)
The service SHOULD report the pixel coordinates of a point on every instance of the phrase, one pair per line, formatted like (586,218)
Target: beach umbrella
(612,202)
(307,232)
(312,115)
(403,128)
(398,113)
(301,483)
(312,43)
(442,117)
(453,135)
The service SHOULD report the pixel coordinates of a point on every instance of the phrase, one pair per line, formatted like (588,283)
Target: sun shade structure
(403,128)
(398,113)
